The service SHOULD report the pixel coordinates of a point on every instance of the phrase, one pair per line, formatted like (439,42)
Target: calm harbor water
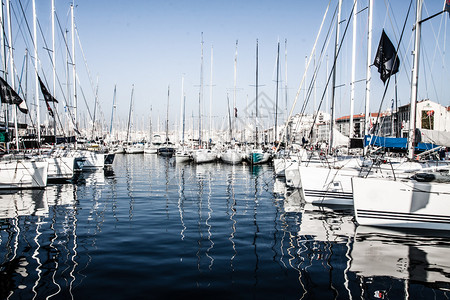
(151,229)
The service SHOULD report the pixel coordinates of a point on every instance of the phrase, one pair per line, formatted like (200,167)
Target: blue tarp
(395,143)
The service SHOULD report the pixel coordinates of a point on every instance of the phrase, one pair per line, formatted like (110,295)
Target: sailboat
(132,147)
(182,155)
(257,155)
(202,155)
(232,155)
(167,149)
(421,201)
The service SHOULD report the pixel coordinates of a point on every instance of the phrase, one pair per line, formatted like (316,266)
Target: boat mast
(181,103)
(200,96)
(184,119)
(11,60)
(368,73)
(276,94)
(54,64)
(353,78)
(233,127)
(130,113)
(333,88)
(256,86)
(414,81)
(210,96)
(113,112)
(151,127)
(286,92)
(75,100)
(167,115)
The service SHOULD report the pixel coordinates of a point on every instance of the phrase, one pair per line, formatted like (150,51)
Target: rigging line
(437,46)
(314,78)
(85,61)
(45,78)
(389,78)
(26,22)
(433,84)
(332,68)
(310,87)
(32,39)
(97,103)
(406,62)
(304,75)
(20,22)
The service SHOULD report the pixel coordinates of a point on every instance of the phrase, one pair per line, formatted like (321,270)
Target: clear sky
(153,44)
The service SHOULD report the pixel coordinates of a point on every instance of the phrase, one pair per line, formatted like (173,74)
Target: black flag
(48,98)
(50,111)
(45,92)
(9,96)
(386,59)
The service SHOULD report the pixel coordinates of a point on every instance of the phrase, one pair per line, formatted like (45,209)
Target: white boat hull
(134,149)
(231,157)
(258,157)
(182,157)
(150,150)
(327,186)
(60,168)
(204,156)
(23,174)
(402,203)
(292,174)
(92,160)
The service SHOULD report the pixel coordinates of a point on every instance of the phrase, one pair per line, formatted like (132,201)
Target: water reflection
(231,231)
(415,259)
(34,244)
(319,241)
(23,203)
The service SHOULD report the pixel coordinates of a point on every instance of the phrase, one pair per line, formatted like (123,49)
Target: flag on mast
(47,96)
(9,96)
(447,6)
(386,59)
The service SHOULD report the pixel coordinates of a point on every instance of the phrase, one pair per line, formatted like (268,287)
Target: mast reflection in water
(153,229)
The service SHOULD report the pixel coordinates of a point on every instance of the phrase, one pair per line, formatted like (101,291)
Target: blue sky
(152,44)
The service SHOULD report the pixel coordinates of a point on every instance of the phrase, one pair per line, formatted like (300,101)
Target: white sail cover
(441,138)
(339,139)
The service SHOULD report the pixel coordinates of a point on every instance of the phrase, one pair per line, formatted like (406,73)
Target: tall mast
(353,79)
(286,89)
(2,41)
(130,113)
(211,94)
(3,55)
(333,89)
(11,60)
(233,128)
(276,94)
(369,63)
(151,127)
(75,100)
(414,81)
(184,117)
(113,111)
(200,97)
(256,113)
(167,115)
(38,114)
(54,62)
(181,102)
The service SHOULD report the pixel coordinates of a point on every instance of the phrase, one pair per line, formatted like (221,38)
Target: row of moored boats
(384,191)
(36,169)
